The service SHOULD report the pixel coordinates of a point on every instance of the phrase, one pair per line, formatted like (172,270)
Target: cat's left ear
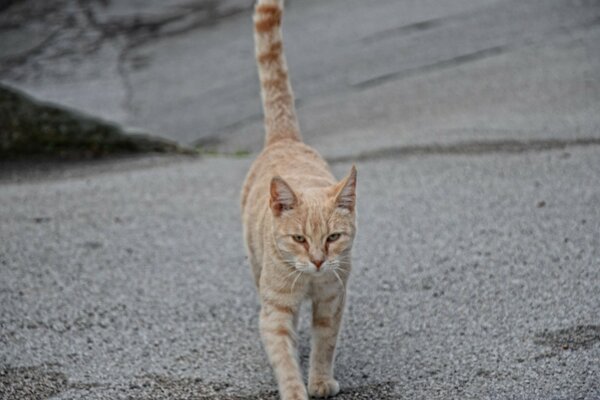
(345,197)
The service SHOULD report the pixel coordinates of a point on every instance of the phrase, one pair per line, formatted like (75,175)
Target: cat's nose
(317,263)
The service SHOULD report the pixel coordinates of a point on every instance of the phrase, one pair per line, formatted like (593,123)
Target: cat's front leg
(279,337)
(326,321)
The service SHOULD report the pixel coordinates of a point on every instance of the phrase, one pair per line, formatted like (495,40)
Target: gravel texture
(476,277)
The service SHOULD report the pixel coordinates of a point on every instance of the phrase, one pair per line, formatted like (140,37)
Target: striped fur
(276,92)
(290,191)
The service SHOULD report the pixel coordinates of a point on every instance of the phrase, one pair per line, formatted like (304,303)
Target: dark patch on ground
(153,387)
(545,355)
(95,317)
(384,390)
(467,148)
(31,383)
(573,338)
(404,30)
(31,129)
(32,170)
(6,4)
(451,62)
(42,382)
(92,245)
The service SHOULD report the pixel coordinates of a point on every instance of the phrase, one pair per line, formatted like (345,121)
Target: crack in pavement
(138,32)
(463,58)
(448,63)
(70,21)
(507,146)
(426,24)
(107,31)
(220,137)
(573,338)
(405,29)
(18,59)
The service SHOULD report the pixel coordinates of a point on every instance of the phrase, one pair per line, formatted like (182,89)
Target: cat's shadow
(380,391)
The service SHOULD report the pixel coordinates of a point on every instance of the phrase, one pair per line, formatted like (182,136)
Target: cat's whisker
(345,271)
(344,263)
(288,261)
(295,280)
(343,286)
(290,274)
(339,279)
(345,268)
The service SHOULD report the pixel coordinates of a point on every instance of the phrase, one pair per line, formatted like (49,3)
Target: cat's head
(314,229)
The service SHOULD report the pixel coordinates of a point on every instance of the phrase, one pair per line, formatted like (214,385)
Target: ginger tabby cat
(299,225)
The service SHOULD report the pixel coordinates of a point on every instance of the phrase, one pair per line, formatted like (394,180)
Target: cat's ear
(283,197)
(345,196)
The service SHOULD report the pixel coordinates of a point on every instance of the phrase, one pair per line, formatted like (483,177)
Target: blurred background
(367,75)
(475,128)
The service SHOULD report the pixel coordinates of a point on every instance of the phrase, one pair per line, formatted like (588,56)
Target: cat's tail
(276,91)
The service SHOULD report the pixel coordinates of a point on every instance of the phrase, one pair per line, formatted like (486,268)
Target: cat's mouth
(312,269)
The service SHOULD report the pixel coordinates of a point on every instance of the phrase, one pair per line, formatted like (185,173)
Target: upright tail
(276,91)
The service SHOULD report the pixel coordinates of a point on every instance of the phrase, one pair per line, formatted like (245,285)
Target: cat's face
(314,230)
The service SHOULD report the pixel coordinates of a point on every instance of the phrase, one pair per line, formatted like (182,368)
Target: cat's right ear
(283,197)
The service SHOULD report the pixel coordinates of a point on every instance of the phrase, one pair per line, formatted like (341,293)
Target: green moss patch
(29,129)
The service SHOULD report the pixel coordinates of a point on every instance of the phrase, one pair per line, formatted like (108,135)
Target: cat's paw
(323,388)
(297,396)
(296,392)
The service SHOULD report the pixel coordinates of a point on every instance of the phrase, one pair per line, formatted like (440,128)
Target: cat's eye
(299,238)
(333,237)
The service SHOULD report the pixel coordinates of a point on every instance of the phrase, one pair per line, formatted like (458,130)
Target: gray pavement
(476,277)
(476,133)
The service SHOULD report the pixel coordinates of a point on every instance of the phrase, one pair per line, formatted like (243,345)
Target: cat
(299,227)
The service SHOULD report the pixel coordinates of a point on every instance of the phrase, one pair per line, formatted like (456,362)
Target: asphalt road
(476,277)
